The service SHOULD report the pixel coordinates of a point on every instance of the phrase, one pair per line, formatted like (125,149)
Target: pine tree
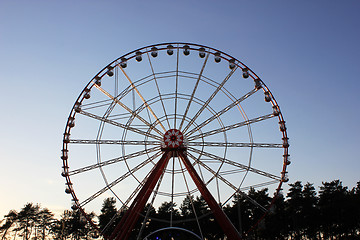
(108,211)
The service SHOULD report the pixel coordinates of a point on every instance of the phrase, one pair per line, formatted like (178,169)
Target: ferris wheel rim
(162,47)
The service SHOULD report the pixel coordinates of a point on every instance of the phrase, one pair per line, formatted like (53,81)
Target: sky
(307,53)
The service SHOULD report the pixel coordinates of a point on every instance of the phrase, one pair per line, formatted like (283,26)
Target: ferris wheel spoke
(235,164)
(120,179)
(115,100)
(228,183)
(202,164)
(194,90)
(125,204)
(203,107)
(176,87)
(96,104)
(114,160)
(136,130)
(224,110)
(230,172)
(140,185)
(143,99)
(120,142)
(263,184)
(254,186)
(236,144)
(230,127)
(158,90)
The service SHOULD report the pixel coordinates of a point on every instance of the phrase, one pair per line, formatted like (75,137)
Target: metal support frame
(124,227)
(224,222)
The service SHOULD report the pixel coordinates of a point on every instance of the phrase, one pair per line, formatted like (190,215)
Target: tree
(332,202)
(261,197)
(192,208)
(167,209)
(277,221)
(309,211)
(167,212)
(44,222)
(26,219)
(294,209)
(247,210)
(186,208)
(239,213)
(108,211)
(10,220)
(79,226)
(355,199)
(143,227)
(73,225)
(334,213)
(61,228)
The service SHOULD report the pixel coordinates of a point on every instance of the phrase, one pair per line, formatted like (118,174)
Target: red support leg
(123,229)
(220,216)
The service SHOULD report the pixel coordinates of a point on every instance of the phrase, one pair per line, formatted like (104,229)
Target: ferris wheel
(169,121)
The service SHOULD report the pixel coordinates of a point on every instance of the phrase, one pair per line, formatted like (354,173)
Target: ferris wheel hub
(173,138)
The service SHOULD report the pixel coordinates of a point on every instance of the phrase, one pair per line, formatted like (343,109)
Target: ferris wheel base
(124,228)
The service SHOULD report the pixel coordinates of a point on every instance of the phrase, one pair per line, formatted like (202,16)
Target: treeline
(331,213)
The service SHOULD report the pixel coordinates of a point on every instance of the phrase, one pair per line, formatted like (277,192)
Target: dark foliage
(332,213)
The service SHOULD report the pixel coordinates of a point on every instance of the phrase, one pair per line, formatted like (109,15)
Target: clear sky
(307,52)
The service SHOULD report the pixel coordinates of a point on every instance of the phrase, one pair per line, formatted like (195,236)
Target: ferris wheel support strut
(124,228)
(220,216)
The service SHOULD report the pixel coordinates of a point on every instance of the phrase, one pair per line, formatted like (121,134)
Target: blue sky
(307,52)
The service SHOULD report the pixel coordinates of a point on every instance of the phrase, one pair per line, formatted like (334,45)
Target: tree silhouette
(44,222)
(239,213)
(310,212)
(196,208)
(294,209)
(356,203)
(332,208)
(26,219)
(79,226)
(108,211)
(245,214)
(334,213)
(166,212)
(277,220)
(10,220)
(74,226)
